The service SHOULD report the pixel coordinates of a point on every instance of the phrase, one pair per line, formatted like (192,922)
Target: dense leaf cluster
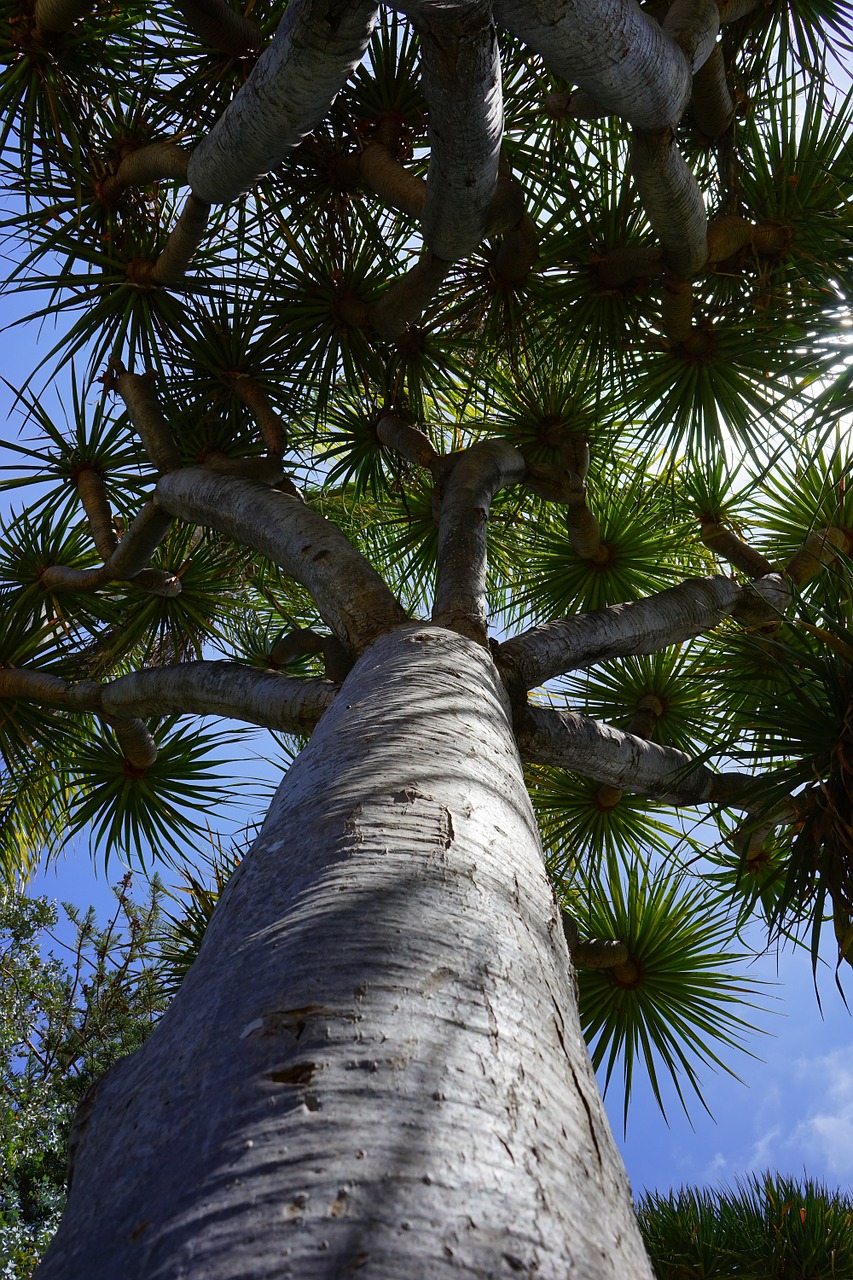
(672,426)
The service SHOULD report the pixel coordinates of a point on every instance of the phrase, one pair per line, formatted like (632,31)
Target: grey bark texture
(616,52)
(477,475)
(291,705)
(599,751)
(317,45)
(375,1065)
(673,201)
(639,626)
(349,593)
(462,84)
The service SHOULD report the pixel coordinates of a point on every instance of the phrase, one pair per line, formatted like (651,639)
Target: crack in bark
(589,1116)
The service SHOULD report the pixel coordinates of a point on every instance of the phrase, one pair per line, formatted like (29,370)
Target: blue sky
(794,1109)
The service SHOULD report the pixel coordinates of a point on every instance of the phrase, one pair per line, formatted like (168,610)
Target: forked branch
(350,595)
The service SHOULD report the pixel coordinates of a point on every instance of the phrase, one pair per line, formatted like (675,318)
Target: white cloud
(822,1123)
(762,1155)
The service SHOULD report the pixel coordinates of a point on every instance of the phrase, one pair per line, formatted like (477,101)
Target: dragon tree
(456,391)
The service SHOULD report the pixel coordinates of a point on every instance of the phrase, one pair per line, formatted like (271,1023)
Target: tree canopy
(531,317)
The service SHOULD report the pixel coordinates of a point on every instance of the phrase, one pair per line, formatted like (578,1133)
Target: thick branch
(518,252)
(673,201)
(821,547)
(127,563)
(220,26)
(381,171)
(93,495)
(139,543)
(404,302)
(317,45)
(135,740)
(694,26)
(713,107)
(183,242)
(566,740)
(408,441)
(55,16)
(643,724)
(729,234)
(158,161)
(677,308)
(147,418)
(273,431)
(34,686)
(628,263)
(726,544)
(640,626)
(460,595)
(350,596)
(462,83)
(284,703)
(617,53)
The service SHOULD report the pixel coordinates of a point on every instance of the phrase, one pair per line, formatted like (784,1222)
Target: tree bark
(351,597)
(376,1063)
(639,626)
(615,51)
(291,87)
(622,760)
(462,82)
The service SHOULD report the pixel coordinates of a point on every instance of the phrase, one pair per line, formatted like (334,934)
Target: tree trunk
(375,1065)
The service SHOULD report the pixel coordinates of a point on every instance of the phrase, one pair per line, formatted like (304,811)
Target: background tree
(766,1228)
(65,1016)
(522,317)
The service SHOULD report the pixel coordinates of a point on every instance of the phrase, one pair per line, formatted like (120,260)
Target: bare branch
(673,201)
(285,703)
(220,26)
(713,106)
(694,26)
(270,424)
(821,547)
(613,50)
(55,16)
(478,473)
(93,495)
(145,165)
(639,626)
(127,563)
(351,597)
(403,303)
(462,83)
(288,93)
(408,441)
(726,544)
(566,740)
(147,418)
(136,741)
(183,243)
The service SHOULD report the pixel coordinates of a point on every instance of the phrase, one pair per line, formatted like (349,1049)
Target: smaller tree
(766,1228)
(64,1019)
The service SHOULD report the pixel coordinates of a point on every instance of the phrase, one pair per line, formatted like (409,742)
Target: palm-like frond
(155,812)
(678,999)
(647,546)
(768,1227)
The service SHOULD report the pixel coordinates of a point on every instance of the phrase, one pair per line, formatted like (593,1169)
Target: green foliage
(767,1227)
(68,1011)
(673,1001)
(737,425)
